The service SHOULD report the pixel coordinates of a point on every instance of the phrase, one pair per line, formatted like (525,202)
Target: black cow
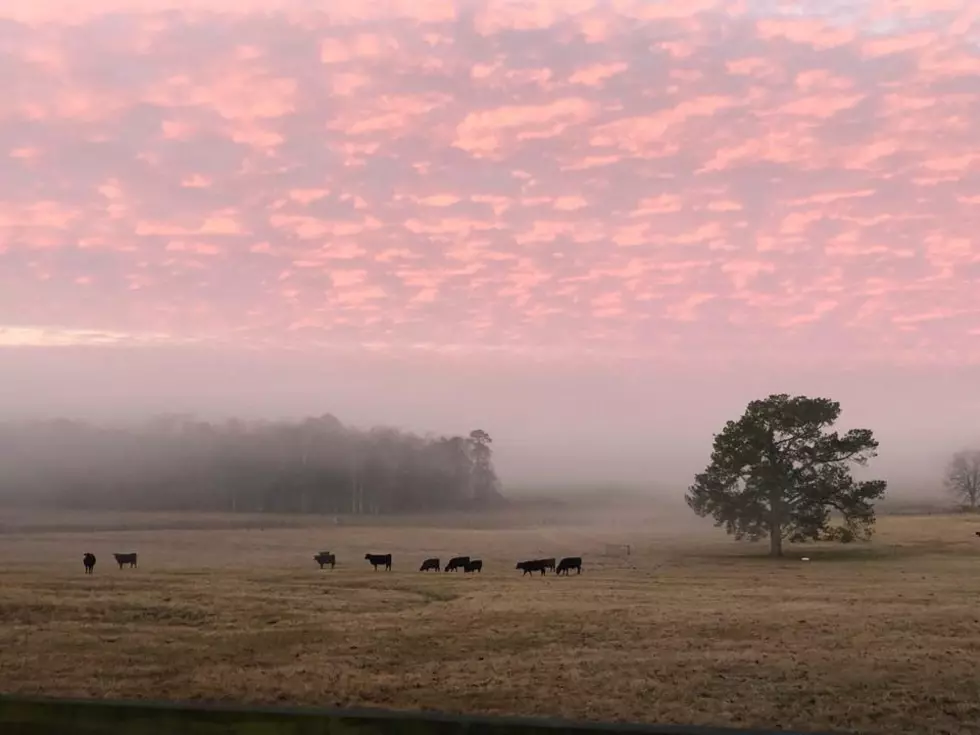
(549,563)
(977,532)
(534,565)
(457,562)
(126,559)
(324,558)
(89,561)
(476,565)
(430,564)
(378,560)
(570,562)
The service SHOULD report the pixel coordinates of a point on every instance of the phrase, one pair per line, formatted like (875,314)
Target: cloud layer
(692,180)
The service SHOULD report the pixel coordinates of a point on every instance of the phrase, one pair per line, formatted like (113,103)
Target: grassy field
(689,628)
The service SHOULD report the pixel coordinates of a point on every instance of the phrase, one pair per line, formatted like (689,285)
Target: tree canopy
(779,471)
(963,477)
(315,465)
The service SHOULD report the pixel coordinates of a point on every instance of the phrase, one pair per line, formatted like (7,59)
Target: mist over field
(559,427)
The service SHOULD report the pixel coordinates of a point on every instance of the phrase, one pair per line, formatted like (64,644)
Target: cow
(126,559)
(324,558)
(534,565)
(977,532)
(89,561)
(430,564)
(457,562)
(570,562)
(378,560)
(475,565)
(547,563)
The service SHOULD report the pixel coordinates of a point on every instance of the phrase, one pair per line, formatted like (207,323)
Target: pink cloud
(624,175)
(805,31)
(899,44)
(196,248)
(597,74)
(486,132)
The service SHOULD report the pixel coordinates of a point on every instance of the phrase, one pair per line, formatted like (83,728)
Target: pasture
(689,628)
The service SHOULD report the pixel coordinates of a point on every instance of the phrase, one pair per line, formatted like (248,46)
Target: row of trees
(780,472)
(316,465)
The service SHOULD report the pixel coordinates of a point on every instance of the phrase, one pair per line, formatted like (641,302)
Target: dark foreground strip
(36,716)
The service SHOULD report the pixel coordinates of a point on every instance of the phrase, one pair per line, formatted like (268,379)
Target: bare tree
(963,477)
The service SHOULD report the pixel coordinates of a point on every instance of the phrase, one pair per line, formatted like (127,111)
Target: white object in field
(805,558)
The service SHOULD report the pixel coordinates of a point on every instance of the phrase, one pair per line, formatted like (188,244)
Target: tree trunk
(775,522)
(775,540)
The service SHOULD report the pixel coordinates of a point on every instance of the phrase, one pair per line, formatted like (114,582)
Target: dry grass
(690,628)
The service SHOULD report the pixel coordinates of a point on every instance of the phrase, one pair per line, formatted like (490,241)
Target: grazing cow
(534,565)
(546,563)
(89,561)
(325,557)
(432,564)
(570,562)
(457,562)
(474,565)
(378,560)
(126,559)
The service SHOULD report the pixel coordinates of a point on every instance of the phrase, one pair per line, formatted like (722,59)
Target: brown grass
(690,628)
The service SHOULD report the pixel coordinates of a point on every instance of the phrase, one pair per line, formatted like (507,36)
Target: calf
(378,560)
(570,562)
(476,565)
(548,563)
(457,562)
(89,561)
(126,559)
(324,558)
(534,565)
(430,564)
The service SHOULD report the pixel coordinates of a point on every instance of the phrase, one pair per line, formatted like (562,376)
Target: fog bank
(553,423)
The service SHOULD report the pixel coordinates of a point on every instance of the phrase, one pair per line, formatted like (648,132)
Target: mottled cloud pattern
(689,179)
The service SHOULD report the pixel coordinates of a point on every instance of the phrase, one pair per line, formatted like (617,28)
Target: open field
(690,628)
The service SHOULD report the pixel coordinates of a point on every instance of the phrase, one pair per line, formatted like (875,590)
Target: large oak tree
(780,471)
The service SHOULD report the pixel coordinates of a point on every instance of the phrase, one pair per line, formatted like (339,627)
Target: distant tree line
(315,465)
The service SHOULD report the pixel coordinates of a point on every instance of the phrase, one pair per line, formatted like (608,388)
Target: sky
(594,228)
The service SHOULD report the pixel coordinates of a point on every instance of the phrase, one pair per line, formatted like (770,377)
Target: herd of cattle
(384,560)
(465,563)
